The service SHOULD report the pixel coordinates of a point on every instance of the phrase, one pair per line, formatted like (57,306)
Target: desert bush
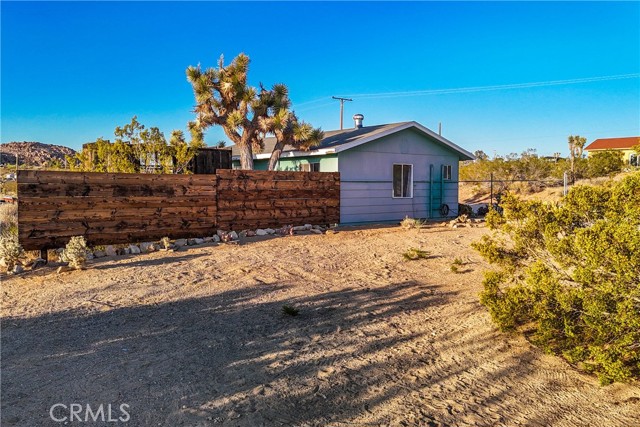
(75,253)
(568,275)
(165,242)
(409,223)
(414,254)
(10,249)
(8,218)
(604,163)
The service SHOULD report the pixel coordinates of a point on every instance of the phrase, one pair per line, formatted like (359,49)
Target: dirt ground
(197,338)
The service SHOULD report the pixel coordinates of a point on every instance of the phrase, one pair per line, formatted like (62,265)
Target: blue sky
(72,72)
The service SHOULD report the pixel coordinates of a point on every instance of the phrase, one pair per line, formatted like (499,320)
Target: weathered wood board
(109,208)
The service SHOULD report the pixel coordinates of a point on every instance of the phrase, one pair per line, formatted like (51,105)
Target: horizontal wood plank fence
(109,208)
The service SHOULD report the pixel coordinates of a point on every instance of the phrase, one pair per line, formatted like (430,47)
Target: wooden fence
(110,208)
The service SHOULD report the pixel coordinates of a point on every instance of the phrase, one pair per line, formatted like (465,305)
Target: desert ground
(197,337)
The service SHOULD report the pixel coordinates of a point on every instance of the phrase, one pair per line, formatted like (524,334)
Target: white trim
(444,167)
(410,185)
(296,153)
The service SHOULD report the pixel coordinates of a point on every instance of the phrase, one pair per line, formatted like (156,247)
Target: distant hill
(32,153)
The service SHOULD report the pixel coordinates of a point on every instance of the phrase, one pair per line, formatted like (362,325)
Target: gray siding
(366,174)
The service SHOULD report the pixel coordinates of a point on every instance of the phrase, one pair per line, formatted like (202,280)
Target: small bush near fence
(568,276)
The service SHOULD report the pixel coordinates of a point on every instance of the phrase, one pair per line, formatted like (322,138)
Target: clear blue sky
(72,72)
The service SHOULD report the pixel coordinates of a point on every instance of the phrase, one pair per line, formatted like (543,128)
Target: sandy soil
(197,338)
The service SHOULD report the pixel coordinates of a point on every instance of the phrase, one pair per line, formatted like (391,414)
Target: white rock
(207,239)
(216,238)
(90,255)
(127,250)
(233,235)
(221,233)
(299,228)
(308,226)
(110,251)
(316,231)
(180,242)
(198,241)
(261,232)
(270,231)
(18,269)
(99,254)
(134,249)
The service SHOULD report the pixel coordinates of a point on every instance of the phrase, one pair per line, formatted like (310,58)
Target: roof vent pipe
(357,119)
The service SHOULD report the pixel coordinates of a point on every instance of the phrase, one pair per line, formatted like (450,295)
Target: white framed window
(446,172)
(315,166)
(402,181)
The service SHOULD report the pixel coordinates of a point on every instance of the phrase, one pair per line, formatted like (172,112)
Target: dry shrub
(75,253)
(10,249)
(409,223)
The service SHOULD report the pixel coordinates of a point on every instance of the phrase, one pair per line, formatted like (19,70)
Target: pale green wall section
(328,163)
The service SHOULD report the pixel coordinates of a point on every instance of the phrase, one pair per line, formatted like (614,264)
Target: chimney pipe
(357,119)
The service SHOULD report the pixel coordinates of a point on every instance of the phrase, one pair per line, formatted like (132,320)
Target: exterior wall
(328,163)
(366,174)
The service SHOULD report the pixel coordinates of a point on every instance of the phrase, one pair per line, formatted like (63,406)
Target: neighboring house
(387,171)
(623,145)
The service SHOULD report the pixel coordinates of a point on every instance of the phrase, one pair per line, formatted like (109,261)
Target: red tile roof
(612,143)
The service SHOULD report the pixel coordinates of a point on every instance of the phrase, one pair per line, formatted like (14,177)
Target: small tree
(75,253)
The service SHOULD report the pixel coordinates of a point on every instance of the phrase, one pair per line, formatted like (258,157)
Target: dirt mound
(32,153)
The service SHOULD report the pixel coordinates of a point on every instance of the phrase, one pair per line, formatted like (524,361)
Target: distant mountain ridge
(32,153)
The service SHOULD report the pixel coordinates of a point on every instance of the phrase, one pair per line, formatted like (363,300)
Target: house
(387,171)
(623,145)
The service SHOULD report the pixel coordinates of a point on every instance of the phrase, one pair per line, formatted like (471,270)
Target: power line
(482,88)
(495,87)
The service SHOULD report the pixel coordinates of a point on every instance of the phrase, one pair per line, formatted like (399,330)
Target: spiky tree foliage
(181,152)
(286,127)
(576,147)
(224,98)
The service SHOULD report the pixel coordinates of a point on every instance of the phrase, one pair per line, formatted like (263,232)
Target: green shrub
(603,163)
(75,253)
(569,275)
(414,254)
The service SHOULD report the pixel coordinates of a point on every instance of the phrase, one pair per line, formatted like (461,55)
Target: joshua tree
(247,114)
(224,98)
(576,146)
(286,127)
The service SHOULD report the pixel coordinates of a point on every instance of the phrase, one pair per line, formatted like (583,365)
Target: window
(446,172)
(310,167)
(634,160)
(402,180)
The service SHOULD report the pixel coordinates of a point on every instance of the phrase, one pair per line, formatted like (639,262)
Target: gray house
(387,171)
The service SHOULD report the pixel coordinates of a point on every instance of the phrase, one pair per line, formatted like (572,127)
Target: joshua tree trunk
(246,156)
(275,155)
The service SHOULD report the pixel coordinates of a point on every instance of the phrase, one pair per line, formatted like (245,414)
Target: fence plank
(108,208)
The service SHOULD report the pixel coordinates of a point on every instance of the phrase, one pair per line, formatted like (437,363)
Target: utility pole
(341,107)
